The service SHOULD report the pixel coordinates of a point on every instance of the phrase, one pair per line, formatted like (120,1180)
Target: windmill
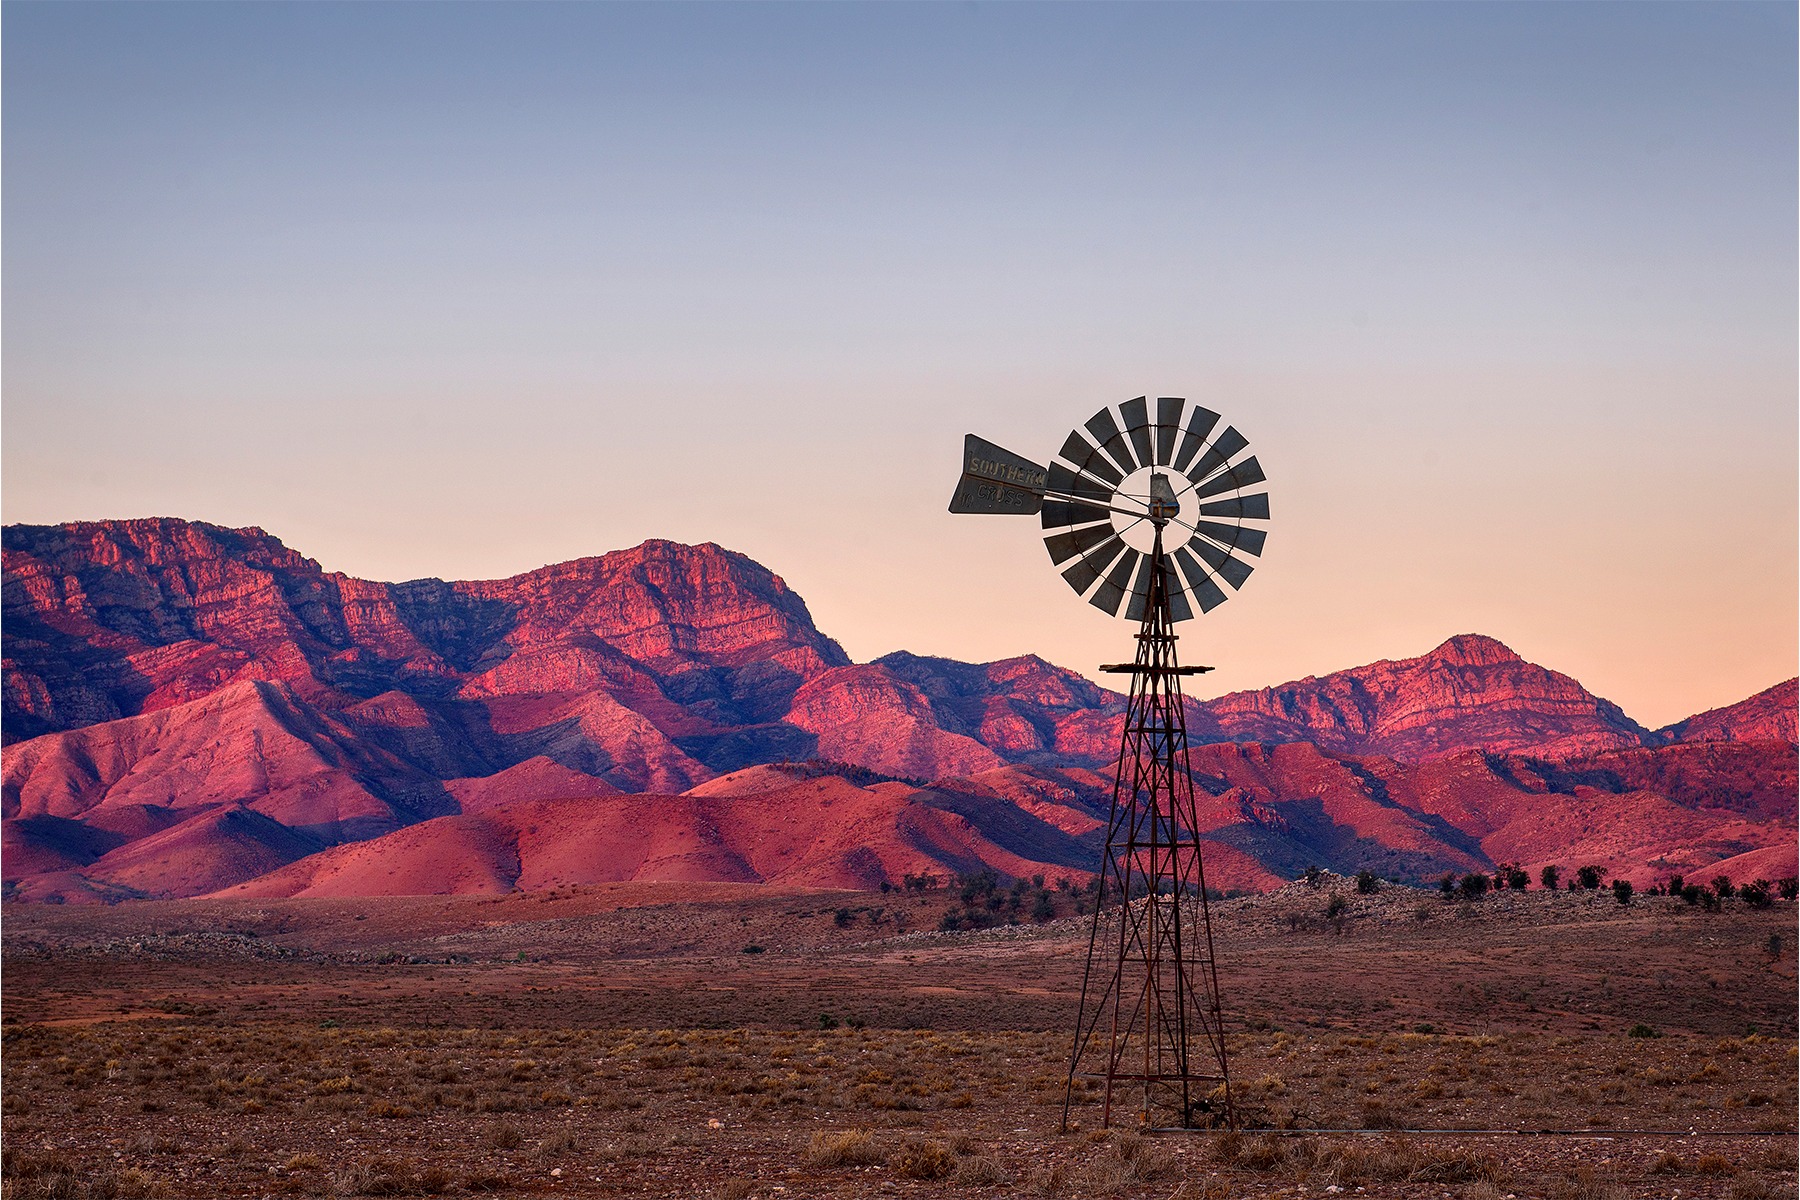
(1150,517)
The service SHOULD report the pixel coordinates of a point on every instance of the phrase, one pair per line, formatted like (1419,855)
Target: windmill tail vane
(1149,1032)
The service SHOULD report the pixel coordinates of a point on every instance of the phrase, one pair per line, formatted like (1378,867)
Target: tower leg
(1149,1031)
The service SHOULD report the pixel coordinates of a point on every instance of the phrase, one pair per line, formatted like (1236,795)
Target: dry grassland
(187,1050)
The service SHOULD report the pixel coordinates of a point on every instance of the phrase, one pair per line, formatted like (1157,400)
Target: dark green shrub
(1474,885)
(1622,890)
(1721,886)
(1516,878)
(1366,883)
(1691,892)
(753,948)
(1676,883)
(1549,877)
(1756,893)
(1447,884)
(1311,875)
(1335,906)
(1641,1030)
(1589,877)
(1788,887)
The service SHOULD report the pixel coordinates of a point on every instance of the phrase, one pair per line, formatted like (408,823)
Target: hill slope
(171,684)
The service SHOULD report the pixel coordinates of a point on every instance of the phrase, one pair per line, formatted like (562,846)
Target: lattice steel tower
(1148,1035)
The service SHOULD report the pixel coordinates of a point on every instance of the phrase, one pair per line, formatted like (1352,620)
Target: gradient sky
(1504,296)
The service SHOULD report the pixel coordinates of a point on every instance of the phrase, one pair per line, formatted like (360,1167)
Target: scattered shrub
(1756,893)
(1474,885)
(1751,1187)
(1335,906)
(1788,887)
(1621,890)
(1367,883)
(845,1148)
(1714,1164)
(923,1160)
(981,1172)
(1447,884)
(1549,877)
(1590,877)
(1641,1030)
(1722,888)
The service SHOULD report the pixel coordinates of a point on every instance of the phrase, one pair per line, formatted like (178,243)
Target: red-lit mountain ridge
(189,707)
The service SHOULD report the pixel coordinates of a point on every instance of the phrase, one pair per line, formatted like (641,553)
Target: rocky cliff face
(189,707)
(1768,716)
(110,619)
(1471,693)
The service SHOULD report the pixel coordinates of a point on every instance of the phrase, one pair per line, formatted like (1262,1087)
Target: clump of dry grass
(844,1148)
(1751,1187)
(923,1159)
(1395,1160)
(387,1177)
(1586,1184)
(981,1171)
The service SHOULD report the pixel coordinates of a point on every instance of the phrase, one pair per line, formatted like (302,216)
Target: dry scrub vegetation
(128,1110)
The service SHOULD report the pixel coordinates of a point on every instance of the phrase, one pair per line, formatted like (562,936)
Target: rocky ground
(629,1041)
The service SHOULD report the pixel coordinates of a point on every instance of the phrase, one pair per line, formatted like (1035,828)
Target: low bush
(845,1148)
(923,1160)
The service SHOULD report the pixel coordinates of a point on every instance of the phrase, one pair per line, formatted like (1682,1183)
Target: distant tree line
(1758,893)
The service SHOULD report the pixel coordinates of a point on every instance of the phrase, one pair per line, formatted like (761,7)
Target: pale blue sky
(1503,294)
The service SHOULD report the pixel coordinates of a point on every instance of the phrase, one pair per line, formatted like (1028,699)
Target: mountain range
(189,708)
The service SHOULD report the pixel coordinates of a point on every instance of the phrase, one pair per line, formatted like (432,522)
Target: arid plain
(729,1040)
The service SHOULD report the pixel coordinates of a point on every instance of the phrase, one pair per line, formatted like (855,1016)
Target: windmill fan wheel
(1178,473)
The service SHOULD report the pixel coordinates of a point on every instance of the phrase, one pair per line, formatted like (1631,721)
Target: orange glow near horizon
(1504,298)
